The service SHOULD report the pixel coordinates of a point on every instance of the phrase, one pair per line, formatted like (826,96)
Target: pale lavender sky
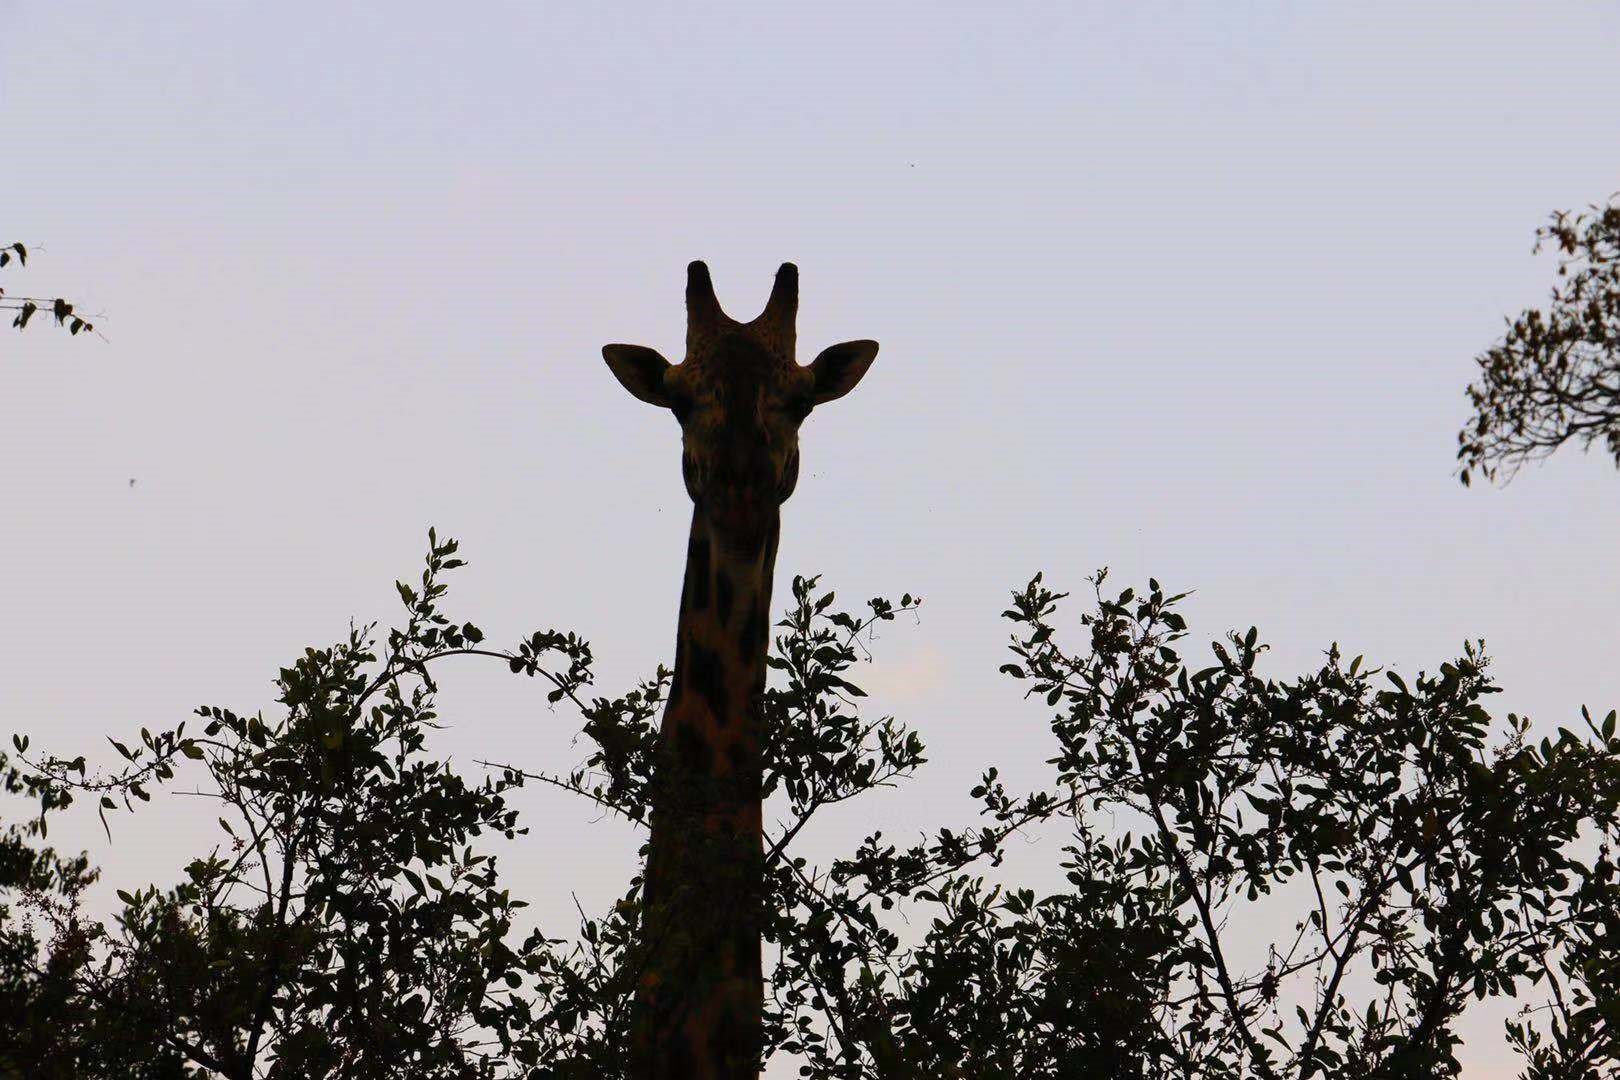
(1191,290)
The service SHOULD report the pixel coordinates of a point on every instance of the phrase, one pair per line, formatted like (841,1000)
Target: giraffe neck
(720,647)
(698,1003)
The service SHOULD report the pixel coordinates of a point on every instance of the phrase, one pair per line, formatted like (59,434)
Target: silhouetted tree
(1273,878)
(1555,376)
(38,998)
(1392,856)
(343,927)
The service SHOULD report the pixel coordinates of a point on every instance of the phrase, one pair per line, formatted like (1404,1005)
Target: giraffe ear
(839,367)
(641,371)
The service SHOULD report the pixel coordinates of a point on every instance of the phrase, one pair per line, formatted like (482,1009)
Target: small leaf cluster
(27,306)
(1554,378)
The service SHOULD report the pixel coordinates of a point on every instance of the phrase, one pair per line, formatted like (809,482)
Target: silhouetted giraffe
(739,396)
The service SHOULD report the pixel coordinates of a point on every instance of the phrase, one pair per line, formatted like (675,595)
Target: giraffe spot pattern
(697,573)
(737,755)
(731,1042)
(707,680)
(694,751)
(752,637)
(723,595)
(682,1063)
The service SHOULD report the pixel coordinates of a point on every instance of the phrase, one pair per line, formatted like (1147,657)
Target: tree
(36,986)
(1411,853)
(343,927)
(27,306)
(1555,376)
(1426,861)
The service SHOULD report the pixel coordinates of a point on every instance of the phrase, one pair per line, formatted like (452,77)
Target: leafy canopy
(1263,877)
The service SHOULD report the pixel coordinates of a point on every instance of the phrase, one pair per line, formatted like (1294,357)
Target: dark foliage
(26,307)
(344,926)
(37,994)
(1555,376)
(1275,878)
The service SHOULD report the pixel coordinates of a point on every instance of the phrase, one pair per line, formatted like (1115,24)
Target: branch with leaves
(345,924)
(27,306)
(1554,378)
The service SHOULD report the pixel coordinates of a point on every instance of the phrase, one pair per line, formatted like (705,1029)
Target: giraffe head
(740,396)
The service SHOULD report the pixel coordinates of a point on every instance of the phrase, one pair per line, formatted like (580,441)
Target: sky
(1186,290)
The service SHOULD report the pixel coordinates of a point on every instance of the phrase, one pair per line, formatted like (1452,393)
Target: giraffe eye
(798,407)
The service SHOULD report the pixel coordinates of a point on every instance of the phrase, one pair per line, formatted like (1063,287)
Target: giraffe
(740,396)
